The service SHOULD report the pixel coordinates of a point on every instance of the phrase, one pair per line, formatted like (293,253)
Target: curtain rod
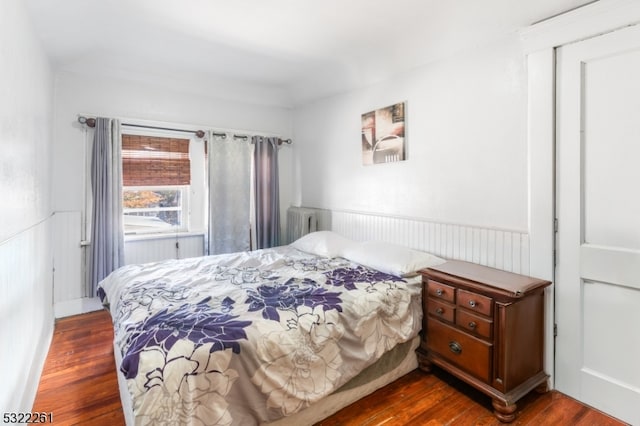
(224,136)
(198,133)
(91,122)
(245,137)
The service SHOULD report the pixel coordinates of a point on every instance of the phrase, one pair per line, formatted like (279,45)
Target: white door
(598,210)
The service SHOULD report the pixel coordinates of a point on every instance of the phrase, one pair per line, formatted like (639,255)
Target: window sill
(160,236)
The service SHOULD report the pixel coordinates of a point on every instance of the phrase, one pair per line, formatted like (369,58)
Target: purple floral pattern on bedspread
(278,327)
(271,298)
(197,323)
(348,277)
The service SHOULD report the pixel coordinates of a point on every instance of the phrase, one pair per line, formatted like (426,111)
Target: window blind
(155,161)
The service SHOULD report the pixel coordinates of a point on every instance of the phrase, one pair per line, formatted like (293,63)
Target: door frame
(539,44)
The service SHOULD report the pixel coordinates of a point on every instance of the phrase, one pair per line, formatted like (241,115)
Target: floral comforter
(250,337)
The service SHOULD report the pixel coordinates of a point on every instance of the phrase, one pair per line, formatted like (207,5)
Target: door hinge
(555,225)
(555,330)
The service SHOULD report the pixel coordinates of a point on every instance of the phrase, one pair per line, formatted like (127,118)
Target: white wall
(466,143)
(26,314)
(111,97)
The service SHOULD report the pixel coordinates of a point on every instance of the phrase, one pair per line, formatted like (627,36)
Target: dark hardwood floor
(79,383)
(79,386)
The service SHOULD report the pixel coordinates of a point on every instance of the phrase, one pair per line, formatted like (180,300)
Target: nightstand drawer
(475,324)
(441,291)
(467,352)
(475,302)
(441,310)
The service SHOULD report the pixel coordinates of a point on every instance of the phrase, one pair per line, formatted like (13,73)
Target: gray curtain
(229,195)
(107,236)
(267,194)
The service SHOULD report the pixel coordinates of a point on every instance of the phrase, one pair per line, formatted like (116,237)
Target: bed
(287,335)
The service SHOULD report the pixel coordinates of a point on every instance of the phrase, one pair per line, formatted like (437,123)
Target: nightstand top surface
(514,284)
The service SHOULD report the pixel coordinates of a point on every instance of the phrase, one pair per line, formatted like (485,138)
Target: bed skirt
(389,368)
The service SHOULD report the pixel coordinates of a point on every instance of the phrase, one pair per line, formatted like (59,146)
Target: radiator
(300,221)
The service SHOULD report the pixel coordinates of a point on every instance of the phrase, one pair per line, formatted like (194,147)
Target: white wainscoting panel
(499,248)
(26,313)
(160,248)
(67,257)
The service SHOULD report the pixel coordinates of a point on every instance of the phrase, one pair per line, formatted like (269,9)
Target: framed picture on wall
(383,135)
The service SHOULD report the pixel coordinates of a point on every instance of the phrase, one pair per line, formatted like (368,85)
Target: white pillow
(323,243)
(390,258)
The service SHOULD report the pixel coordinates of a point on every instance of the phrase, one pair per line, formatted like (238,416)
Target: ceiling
(292,50)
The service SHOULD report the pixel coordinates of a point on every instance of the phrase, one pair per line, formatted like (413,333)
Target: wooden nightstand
(486,327)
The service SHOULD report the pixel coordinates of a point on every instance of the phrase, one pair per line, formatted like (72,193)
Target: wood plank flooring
(79,383)
(79,386)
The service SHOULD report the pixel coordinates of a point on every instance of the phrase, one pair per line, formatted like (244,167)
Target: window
(156,173)
(155,209)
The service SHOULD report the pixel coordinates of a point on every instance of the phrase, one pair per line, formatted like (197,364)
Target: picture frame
(383,135)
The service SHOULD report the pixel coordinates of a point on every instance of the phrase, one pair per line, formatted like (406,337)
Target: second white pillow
(390,258)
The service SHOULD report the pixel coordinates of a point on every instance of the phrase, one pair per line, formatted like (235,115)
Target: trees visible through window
(156,178)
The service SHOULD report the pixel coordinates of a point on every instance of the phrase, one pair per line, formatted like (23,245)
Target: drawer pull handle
(439,311)
(473,325)
(439,292)
(472,303)
(455,347)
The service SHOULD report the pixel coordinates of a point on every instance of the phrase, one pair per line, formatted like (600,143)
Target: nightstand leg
(504,412)
(423,363)
(542,387)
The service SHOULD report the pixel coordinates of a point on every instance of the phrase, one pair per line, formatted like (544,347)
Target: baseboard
(83,305)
